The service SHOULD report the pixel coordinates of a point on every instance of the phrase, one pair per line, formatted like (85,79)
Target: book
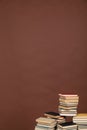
(81,116)
(69,96)
(63,110)
(69,100)
(67,125)
(67,114)
(47,126)
(52,114)
(44,120)
(82,127)
(43,128)
(67,108)
(68,104)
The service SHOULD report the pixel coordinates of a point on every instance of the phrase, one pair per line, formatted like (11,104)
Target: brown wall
(43,52)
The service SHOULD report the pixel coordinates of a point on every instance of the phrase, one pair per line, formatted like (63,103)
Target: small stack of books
(81,121)
(56,116)
(44,123)
(68,105)
(67,126)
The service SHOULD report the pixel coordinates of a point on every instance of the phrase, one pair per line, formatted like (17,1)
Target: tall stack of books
(56,116)
(44,123)
(81,121)
(67,126)
(68,105)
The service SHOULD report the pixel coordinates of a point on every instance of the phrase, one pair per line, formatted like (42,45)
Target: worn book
(52,114)
(67,114)
(67,108)
(81,116)
(44,120)
(47,126)
(68,104)
(67,125)
(43,128)
(69,96)
(69,100)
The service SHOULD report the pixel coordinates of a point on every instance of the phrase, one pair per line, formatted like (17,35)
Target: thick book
(44,120)
(43,128)
(67,108)
(64,114)
(69,96)
(47,126)
(52,114)
(69,100)
(82,126)
(81,116)
(68,104)
(63,110)
(67,125)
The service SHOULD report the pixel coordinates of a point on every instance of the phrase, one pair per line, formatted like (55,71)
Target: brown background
(43,52)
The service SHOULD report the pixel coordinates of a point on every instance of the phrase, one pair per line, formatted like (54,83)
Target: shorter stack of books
(67,126)
(81,121)
(56,116)
(44,123)
(68,105)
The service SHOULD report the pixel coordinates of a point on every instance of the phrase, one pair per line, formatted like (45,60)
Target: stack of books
(81,121)
(67,126)
(68,105)
(44,123)
(56,116)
